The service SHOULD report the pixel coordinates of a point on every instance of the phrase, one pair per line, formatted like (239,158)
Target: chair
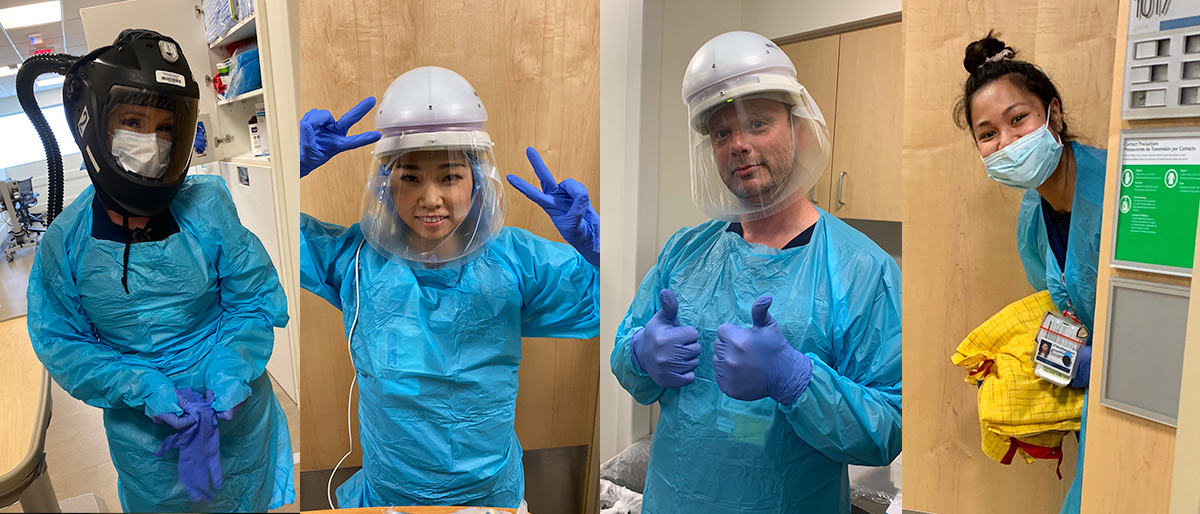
(16,197)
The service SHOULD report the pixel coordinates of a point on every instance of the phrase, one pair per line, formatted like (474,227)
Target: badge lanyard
(1057,346)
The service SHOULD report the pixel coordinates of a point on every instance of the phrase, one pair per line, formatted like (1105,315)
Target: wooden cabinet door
(865,178)
(816,62)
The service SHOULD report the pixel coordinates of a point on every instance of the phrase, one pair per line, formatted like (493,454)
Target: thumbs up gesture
(666,351)
(758,362)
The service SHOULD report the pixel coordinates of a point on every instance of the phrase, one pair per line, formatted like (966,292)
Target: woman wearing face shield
(436,293)
(1015,114)
(149,300)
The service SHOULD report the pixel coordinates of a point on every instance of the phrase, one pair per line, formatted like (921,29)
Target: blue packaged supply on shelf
(246,75)
(218,19)
(245,9)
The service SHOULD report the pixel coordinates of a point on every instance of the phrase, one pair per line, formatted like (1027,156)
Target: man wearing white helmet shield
(437,293)
(770,336)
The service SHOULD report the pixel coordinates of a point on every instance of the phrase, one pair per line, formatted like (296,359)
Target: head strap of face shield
(467,139)
(786,99)
(477,169)
(706,102)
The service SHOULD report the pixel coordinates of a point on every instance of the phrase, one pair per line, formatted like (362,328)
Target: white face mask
(143,154)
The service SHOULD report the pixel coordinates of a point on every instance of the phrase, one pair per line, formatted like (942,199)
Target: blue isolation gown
(436,353)
(837,299)
(1074,288)
(199,313)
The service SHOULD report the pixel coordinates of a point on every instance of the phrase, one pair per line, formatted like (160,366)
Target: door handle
(841,181)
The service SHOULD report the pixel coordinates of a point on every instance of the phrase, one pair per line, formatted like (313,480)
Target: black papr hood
(141,67)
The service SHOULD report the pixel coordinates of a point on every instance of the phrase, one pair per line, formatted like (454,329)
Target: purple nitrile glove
(322,136)
(568,206)
(174,420)
(1083,368)
(228,414)
(666,351)
(199,445)
(758,362)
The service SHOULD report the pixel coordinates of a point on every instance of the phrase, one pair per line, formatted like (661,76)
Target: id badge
(1056,348)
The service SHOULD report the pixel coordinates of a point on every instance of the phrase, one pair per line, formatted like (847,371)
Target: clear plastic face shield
(149,134)
(757,154)
(434,198)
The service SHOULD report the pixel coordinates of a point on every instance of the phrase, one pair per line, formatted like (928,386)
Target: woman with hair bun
(1015,114)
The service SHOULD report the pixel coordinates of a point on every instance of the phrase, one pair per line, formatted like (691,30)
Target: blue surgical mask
(1028,162)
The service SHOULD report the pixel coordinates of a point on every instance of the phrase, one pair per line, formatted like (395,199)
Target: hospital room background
(594,85)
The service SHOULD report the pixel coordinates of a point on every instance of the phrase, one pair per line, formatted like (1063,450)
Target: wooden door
(960,247)
(865,178)
(816,62)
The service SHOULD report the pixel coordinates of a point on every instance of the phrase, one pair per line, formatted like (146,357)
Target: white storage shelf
(249,158)
(257,93)
(243,30)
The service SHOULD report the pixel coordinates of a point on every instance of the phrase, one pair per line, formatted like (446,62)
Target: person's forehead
(1000,95)
(753,106)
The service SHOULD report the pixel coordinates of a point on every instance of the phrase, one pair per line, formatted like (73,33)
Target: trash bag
(628,468)
(615,499)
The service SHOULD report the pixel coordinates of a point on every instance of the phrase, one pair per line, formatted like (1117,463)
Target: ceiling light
(9,71)
(50,81)
(31,15)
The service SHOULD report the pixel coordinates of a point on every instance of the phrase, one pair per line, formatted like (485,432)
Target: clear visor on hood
(433,206)
(755,155)
(149,134)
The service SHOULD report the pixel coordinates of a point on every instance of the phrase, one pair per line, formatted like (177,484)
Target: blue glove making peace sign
(568,206)
(322,137)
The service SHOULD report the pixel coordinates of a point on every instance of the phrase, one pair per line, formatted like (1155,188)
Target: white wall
(644,49)
(47,98)
(628,154)
(74,180)
(279,26)
(686,24)
(782,18)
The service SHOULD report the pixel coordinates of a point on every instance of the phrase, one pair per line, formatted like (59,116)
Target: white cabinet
(225,121)
(254,194)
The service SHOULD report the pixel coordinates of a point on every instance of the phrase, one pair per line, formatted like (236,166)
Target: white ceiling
(16,48)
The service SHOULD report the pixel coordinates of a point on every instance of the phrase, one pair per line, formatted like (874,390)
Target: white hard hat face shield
(758,140)
(434,197)
(755,156)
(434,205)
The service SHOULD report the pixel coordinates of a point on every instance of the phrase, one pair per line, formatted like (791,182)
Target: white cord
(350,395)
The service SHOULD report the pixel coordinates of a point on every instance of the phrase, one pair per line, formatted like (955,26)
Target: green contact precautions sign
(1158,202)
